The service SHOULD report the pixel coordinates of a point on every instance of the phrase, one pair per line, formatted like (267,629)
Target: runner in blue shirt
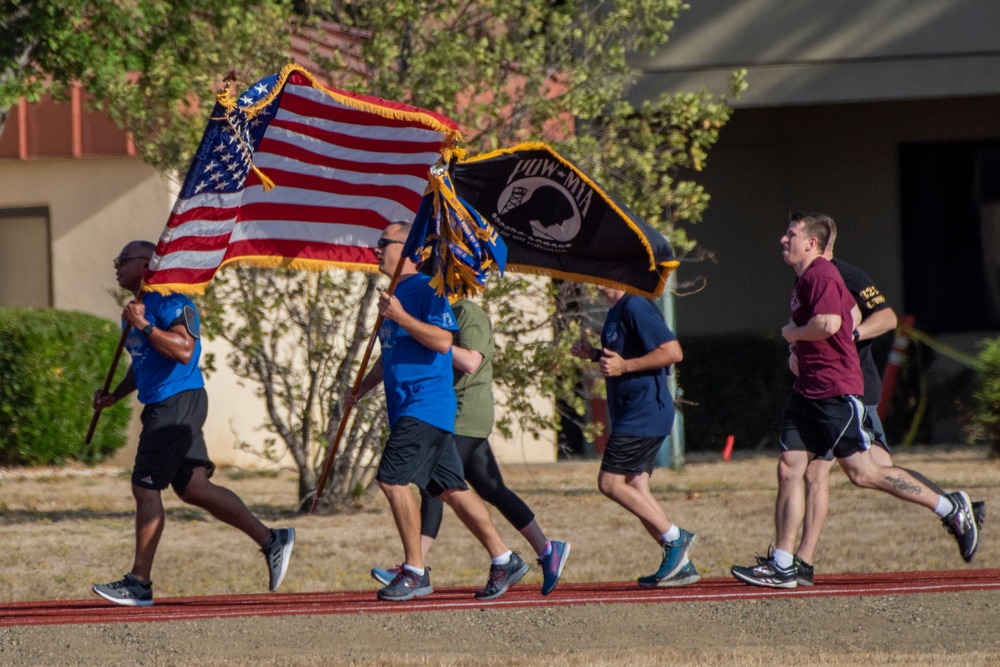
(637,349)
(416,368)
(165,346)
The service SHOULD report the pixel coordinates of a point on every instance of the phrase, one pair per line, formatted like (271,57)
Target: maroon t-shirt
(828,367)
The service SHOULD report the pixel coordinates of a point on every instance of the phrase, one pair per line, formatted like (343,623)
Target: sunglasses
(382,243)
(121,260)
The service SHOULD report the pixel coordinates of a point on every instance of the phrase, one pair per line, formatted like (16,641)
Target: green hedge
(740,383)
(51,363)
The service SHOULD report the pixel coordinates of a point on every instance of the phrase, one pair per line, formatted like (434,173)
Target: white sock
(671,535)
(414,570)
(502,559)
(944,507)
(782,559)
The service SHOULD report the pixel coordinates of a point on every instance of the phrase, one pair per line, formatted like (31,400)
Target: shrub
(51,363)
(986,415)
(740,384)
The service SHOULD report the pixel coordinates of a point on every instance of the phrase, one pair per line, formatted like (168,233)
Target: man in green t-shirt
(472,358)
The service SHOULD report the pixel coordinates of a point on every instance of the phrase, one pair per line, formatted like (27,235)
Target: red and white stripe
(341,176)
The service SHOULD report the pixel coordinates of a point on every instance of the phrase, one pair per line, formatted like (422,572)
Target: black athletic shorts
(172,443)
(630,454)
(827,427)
(421,454)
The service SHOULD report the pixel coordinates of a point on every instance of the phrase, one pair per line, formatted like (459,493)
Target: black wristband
(857,336)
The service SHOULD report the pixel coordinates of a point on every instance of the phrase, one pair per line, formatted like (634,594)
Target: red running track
(65,612)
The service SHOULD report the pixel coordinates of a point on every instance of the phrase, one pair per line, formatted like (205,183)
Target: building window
(25,266)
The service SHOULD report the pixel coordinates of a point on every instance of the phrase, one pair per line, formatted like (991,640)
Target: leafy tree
(297,338)
(151,65)
(510,71)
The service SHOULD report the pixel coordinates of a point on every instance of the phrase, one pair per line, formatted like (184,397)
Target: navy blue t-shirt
(156,377)
(418,381)
(639,403)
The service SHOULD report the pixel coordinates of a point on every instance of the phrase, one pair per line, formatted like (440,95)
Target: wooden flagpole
(335,444)
(107,383)
(111,376)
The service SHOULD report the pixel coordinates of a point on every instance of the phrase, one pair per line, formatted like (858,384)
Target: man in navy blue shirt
(165,346)
(416,370)
(637,348)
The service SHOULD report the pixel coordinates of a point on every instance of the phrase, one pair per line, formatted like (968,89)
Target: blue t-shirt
(418,381)
(157,377)
(639,403)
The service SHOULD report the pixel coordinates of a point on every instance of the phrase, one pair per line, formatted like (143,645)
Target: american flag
(343,167)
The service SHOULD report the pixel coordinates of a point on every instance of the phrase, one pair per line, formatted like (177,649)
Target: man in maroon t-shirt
(825,415)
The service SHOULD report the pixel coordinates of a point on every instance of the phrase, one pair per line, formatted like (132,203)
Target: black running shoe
(128,592)
(979,512)
(503,577)
(961,523)
(766,573)
(803,572)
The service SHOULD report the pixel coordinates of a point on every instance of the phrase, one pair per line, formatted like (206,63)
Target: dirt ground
(63,533)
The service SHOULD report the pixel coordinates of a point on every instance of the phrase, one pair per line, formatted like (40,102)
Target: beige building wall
(523,447)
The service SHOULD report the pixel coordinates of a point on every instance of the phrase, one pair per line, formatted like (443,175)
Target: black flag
(558,222)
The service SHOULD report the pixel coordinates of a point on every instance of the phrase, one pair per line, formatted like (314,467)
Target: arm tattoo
(902,484)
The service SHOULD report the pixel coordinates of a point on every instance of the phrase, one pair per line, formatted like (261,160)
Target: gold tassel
(266,182)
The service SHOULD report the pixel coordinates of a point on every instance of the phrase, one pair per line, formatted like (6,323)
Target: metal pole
(671,454)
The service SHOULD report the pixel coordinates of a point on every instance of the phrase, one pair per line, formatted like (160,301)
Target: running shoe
(553,564)
(766,573)
(803,572)
(128,592)
(277,552)
(407,585)
(385,576)
(675,554)
(961,523)
(503,577)
(979,512)
(686,575)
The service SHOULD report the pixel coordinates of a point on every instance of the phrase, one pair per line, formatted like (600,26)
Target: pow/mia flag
(556,221)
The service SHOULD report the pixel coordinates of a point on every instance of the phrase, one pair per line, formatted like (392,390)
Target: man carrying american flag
(164,342)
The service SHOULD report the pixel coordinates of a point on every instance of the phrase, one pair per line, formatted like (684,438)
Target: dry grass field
(63,530)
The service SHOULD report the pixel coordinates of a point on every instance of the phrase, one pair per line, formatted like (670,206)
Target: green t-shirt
(474,390)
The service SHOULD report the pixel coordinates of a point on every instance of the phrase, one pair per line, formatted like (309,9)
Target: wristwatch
(147,330)
(857,336)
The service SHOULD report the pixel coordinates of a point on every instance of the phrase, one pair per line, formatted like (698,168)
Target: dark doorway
(950,211)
